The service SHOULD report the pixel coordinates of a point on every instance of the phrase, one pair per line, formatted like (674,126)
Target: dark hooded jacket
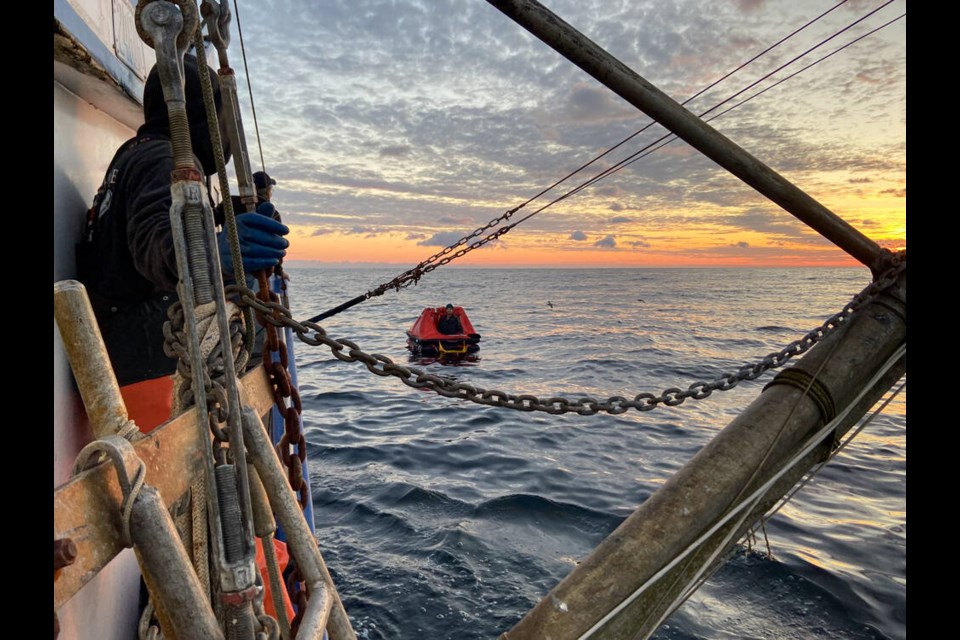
(129,265)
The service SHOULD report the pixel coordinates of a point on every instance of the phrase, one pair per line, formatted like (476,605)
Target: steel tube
(168,572)
(317,614)
(619,78)
(285,505)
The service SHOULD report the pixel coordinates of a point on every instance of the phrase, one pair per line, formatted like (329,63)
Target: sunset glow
(389,144)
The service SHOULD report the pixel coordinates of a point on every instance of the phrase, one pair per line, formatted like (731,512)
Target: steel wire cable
(441,258)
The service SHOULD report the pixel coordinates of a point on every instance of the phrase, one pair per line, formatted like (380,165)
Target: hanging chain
(287,400)
(349,351)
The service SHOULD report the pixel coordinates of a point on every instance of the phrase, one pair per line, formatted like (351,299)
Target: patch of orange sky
(679,244)
(518,252)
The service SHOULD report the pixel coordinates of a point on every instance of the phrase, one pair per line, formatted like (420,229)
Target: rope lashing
(815,390)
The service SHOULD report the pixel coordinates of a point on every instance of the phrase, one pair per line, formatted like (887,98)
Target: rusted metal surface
(64,553)
(86,508)
(184,609)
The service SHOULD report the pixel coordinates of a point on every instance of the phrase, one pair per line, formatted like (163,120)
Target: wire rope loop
(119,451)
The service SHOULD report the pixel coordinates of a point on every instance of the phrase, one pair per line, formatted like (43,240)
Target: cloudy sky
(394,128)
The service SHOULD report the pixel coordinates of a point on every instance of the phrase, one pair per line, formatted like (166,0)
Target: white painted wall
(85,139)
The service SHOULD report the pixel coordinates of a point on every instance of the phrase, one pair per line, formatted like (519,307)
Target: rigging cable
(246,70)
(413,275)
(641,130)
(806,480)
(713,562)
(814,442)
(670,137)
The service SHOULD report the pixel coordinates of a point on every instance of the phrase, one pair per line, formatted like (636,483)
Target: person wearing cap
(264,184)
(449,322)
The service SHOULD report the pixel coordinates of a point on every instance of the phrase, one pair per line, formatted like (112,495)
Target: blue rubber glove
(261,241)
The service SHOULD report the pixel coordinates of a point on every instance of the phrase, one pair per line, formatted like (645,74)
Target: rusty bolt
(64,553)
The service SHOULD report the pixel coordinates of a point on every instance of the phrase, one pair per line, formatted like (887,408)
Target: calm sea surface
(441,519)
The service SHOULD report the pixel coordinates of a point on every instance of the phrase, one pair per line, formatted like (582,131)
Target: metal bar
(265,526)
(743,457)
(285,505)
(619,78)
(317,614)
(217,16)
(83,507)
(88,358)
(168,572)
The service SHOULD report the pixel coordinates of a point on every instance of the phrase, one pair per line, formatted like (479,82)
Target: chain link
(288,405)
(348,351)
(439,259)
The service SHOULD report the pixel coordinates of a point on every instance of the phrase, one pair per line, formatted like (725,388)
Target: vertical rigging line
(246,70)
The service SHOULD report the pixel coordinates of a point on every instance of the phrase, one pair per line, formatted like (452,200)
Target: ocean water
(440,518)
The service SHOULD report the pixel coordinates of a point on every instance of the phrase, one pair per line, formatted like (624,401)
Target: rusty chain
(288,404)
(349,351)
(175,346)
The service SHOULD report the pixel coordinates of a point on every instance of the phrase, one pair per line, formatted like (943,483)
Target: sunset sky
(393,128)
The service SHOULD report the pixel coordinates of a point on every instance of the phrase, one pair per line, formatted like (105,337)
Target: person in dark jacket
(127,259)
(449,323)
